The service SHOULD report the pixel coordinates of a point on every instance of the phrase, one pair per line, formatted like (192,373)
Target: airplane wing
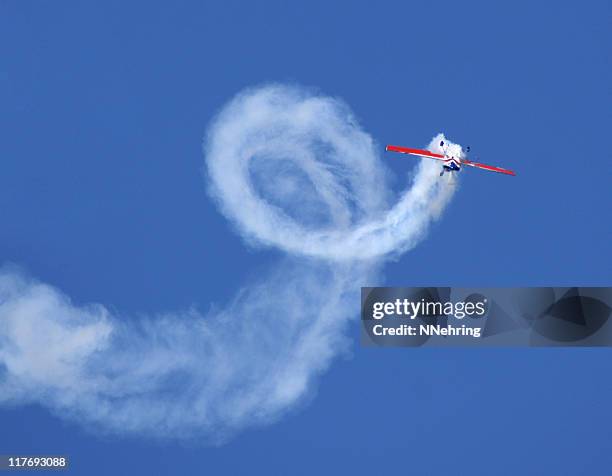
(419,152)
(487,167)
(432,155)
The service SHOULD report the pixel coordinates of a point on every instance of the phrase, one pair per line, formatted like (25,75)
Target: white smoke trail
(314,142)
(290,169)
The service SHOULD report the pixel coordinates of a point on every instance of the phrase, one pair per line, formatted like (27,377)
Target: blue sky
(104,106)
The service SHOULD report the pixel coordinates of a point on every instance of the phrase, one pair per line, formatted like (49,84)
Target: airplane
(452,163)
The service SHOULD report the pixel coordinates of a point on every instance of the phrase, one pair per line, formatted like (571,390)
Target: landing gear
(442,173)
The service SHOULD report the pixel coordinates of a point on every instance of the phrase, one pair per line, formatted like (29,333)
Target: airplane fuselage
(451,163)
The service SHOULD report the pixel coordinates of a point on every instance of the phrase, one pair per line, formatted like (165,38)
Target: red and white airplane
(452,163)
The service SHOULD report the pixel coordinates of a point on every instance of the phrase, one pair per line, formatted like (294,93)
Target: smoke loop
(289,169)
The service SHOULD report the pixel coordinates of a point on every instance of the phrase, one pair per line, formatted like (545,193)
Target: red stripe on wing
(419,152)
(487,167)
